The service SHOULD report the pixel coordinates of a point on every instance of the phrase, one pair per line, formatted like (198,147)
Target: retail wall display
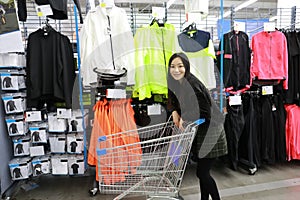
(198,46)
(107,46)
(154,45)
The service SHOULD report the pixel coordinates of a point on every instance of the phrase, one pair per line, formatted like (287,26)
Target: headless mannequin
(107,5)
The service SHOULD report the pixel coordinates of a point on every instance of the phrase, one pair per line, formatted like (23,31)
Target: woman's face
(177,69)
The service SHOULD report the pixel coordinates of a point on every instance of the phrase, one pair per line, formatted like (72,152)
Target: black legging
(208,185)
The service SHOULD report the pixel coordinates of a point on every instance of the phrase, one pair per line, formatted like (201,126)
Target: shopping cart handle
(101,152)
(102,138)
(199,121)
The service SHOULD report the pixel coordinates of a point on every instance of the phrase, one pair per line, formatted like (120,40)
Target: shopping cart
(151,163)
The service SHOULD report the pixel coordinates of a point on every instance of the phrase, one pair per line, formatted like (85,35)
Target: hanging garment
(293,42)
(154,46)
(236,59)
(292,132)
(59,8)
(234,125)
(111,118)
(106,43)
(270,57)
(200,51)
(50,69)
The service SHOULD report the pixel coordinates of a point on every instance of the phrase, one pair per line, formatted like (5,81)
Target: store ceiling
(259,9)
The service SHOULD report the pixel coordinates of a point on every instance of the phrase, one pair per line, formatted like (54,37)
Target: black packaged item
(16,125)
(40,165)
(21,146)
(20,168)
(60,8)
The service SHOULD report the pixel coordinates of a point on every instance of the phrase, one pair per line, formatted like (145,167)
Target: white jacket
(95,45)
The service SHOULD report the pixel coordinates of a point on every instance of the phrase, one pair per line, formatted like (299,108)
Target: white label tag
(154,109)
(158,12)
(239,26)
(43,10)
(235,100)
(269,26)
(266,90)
(37,151)
(64,113)
(32,116)
(116,93)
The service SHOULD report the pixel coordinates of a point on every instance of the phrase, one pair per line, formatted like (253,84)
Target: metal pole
(293,18)
(221,57)
(80,87)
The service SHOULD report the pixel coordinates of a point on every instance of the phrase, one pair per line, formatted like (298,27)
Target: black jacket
(236,59)
(50,69)
(192,101)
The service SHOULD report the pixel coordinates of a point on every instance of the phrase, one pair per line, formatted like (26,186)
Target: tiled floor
(275,182)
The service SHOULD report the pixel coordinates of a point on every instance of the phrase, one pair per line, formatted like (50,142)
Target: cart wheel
(93,191)
(252,171)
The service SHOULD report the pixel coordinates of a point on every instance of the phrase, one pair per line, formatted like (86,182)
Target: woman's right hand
(177,119)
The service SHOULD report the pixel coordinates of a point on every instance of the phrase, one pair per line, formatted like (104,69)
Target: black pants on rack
(208,186)
(234,124)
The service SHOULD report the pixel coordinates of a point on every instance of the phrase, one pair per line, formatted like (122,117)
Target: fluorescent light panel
(169,3)
(239,7)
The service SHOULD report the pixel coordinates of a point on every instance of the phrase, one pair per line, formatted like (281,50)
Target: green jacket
(154,46)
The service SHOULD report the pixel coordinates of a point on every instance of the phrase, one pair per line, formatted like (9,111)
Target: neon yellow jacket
(154,46)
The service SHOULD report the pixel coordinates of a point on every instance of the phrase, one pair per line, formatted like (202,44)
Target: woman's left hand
(181,124)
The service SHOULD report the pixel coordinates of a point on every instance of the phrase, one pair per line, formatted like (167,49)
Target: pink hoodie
(270,57)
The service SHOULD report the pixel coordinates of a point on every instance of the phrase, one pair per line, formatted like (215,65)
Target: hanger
(47,27)
(160,23)
(190,29)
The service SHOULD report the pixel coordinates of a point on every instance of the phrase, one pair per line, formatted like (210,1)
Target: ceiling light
(239,7)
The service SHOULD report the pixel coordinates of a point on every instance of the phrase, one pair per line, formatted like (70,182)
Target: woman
(189,100)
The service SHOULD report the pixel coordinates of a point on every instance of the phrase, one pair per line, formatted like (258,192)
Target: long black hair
(185,61)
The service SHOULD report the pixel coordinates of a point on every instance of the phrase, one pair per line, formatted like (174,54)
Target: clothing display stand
(5,146)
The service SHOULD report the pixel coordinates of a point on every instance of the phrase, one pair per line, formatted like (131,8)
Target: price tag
(154,109)
(158,12)
(43,10)
(235,100)
(267,90)
(269,26)
(116,93)
(239,26)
